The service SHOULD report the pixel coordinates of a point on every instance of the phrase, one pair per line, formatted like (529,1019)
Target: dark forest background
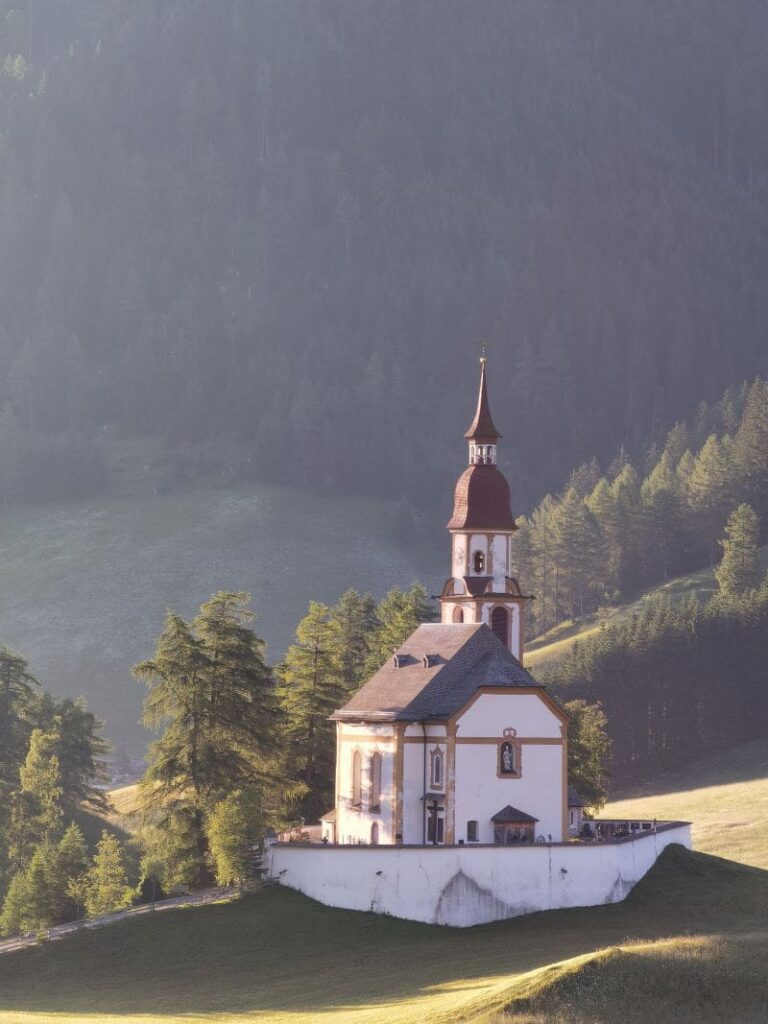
(266,238)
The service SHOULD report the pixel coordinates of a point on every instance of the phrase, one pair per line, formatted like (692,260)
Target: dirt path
(196,899)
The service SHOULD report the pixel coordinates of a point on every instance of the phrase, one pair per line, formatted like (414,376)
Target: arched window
(500,624)
(479,561)
(458,614)
(375,794)
(375,834)
(357,779)
(436,768)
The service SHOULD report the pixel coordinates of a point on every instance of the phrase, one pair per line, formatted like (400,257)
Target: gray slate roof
(464,658)
(512,816)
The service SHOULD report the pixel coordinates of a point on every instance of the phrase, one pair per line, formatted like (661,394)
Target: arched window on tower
(500,624)
(478,561)
(458,614)
(357,779)
(375,834)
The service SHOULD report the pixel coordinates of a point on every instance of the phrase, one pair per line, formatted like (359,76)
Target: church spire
(482,434)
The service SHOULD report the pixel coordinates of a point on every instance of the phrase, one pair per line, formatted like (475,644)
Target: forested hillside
(268,236)
(606,535)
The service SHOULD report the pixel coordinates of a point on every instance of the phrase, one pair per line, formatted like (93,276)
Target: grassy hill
(726,798)
(556,642)
(85,587)
(276,956)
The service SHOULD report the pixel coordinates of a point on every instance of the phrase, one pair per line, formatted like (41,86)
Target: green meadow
(277,956)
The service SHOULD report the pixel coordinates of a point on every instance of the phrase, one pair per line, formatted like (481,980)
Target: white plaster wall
(459,543)
(462,886)
(493,712)
(500,563)
(480,793)
(354,826)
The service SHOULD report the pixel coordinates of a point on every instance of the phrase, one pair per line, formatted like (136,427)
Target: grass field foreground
(279,957)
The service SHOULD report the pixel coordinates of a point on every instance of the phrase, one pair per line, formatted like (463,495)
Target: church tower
(482,588)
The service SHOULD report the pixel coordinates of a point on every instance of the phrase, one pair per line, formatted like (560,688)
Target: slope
(725,796)
(276,956)
(86,586)
(556,642)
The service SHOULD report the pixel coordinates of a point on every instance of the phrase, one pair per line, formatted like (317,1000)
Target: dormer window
(478,561)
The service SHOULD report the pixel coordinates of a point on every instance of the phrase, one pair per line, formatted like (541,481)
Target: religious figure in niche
(507,758)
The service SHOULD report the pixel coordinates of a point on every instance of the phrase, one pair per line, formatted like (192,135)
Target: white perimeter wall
(463,886)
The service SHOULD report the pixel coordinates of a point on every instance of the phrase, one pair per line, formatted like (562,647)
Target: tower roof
(483,428)
(482,501)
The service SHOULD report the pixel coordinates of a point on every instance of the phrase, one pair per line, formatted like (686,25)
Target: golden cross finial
(483,353)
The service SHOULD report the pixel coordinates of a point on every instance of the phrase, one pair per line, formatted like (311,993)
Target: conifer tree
(71,865)
(214,695)
(739,571)
(233,827)
(36,814)
(32,900)
(750,447)
(661,502)
(574,544)
(311,688)
(397,615)
(709,493)
(18,689)
(353,620)
(589,751)
(107,886)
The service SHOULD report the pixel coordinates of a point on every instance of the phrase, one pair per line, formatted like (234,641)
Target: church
(452,741)
(452,804)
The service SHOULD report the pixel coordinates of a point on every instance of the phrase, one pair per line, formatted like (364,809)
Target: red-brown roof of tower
(482,428)
(482,501)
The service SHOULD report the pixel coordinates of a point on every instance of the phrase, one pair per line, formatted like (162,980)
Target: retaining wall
(462,885)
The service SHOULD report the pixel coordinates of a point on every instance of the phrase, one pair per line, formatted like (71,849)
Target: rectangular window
(471,831)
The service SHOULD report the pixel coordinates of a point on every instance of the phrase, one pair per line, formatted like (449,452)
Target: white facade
(458,766)
(462,886)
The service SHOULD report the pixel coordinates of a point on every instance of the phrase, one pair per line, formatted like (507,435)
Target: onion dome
(482,501)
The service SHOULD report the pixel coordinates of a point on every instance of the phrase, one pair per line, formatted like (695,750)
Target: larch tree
(36,813)
(232,828)
(311,687)
(106,887)
(213,695)
(397,615)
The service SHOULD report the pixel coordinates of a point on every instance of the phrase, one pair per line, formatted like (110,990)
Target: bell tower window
(500,624)
(478,561)
(458,615)
(482,454)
